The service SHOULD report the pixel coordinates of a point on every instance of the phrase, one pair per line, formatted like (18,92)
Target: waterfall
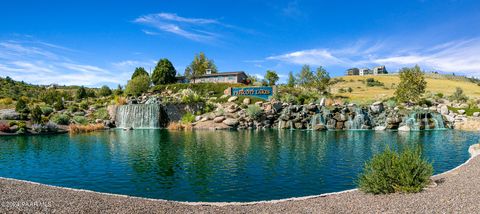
(425,121)
(356,122)
(138,116)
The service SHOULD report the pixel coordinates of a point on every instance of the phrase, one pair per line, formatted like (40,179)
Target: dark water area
(216,165)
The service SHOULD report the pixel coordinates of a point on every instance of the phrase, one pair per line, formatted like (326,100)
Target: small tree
(412,84)
(458,95)
(271,77)
(58,105)
(138,72)
(306,77)
(322,79)
(137,86)
(291,80)
(199,66)
(22,107)
(36,115)
(119,90)
(81,93)
(164,73)
(105,91)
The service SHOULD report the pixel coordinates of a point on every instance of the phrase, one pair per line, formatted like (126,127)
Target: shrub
(102,113)
(119,100)
(46,110)
(179,126)
(391,172)
(254,111)
(371,82)
(458,95)
(138,85)
(80,120)
(188,118)
(22,107)
(189,96)
(4,127)
(6,101)
(51,127)
(36,114)
(73,108)
(84,105)
(349,90)
(22,127)
(60,119)
(58,105)
(105,91)
(78,128)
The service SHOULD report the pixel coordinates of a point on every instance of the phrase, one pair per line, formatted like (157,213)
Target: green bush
(80,120)
(254,111)
(188,118)
(47,110)
(371,82)
(60,119)
(102,113)
(190,96)
(36,115)
(391,172)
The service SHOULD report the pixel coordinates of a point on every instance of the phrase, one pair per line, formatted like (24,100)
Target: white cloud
(312,56)
(195,29)
(44,63)
(460,56)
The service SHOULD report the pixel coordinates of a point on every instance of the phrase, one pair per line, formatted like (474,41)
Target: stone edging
(474,151)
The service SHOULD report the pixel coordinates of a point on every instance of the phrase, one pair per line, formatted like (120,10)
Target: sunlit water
(216,165)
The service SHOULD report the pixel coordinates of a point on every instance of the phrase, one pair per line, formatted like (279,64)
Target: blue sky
(94,43)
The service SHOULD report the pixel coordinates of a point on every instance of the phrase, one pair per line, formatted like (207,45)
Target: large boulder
(246,101)
(219,119)
(379,128)
(9,114)
(233,99)
(377,107)
(231,122)
(404,128)
(476,114)
(444,109)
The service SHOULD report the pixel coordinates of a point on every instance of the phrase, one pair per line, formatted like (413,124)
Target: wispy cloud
(462,56)
(45,63)
(195,29)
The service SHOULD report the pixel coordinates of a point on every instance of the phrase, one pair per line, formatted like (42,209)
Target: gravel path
(456,192)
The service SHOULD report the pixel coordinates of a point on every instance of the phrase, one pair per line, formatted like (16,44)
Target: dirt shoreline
(456,191)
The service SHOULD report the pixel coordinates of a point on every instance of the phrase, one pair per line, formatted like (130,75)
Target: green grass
(468,111)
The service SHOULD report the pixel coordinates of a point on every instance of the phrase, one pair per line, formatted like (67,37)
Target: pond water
(216,165)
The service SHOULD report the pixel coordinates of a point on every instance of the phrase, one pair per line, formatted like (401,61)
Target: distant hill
(436,83)
(15,89)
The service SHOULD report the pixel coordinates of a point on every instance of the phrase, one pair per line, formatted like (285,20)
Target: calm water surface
(216,166)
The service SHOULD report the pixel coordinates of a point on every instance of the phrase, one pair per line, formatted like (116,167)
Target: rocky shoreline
(455,191)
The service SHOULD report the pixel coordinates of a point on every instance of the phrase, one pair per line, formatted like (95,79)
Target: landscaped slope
(436,83)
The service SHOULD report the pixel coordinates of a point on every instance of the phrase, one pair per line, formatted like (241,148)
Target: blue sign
(264,92)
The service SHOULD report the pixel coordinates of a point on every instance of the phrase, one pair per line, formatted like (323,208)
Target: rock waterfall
(140,116)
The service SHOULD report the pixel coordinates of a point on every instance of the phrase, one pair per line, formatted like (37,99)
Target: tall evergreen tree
(164,73)
(139,71)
